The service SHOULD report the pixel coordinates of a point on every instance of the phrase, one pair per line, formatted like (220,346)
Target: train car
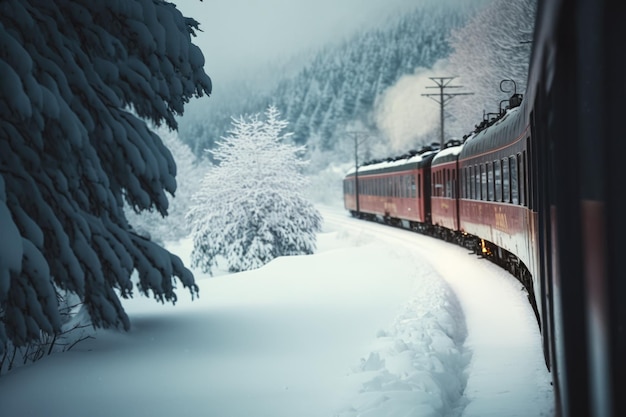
(392,191)
(494,203)
(445,190)
(576,105)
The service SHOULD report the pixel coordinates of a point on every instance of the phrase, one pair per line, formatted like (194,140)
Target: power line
(443,98)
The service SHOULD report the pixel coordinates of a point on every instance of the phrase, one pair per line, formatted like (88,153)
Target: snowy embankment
(365,327)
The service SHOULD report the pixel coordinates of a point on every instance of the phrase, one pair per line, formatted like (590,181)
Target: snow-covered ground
(380,322)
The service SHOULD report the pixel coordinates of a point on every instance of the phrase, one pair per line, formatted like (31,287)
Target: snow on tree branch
(493,46)
(250,209)
(76,80)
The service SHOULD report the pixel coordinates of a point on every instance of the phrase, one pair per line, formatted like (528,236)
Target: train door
(558,131)
(540,208)
(426,187)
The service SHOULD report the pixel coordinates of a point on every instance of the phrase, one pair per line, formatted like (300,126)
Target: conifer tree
(494,45)
(250,209)
(77,80)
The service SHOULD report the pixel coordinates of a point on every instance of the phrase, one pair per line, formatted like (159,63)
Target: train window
(444,183)
(483,182)
(506,180)
(453,184)
(453,187)
(441,179)
(498,179)
(441,183)
(477,189)
(514,181)
(522,173)
(406,189)
(489,179)
(419,185)
(492,183)
(477,182)
(471,182)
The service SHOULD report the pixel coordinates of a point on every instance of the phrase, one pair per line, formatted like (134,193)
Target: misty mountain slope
(340,84)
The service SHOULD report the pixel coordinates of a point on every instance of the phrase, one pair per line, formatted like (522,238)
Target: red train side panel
(398,190)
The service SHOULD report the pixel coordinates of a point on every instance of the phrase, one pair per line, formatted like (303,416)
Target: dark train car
(391,190)
(576,89)
(445,189)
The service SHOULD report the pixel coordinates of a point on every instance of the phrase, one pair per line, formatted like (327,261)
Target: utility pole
(443,98)
(355,137)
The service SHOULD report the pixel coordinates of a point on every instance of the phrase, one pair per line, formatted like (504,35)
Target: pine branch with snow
(250,208)
(189,171)
(77,79)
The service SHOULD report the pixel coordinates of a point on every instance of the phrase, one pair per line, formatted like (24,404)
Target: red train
(540,191)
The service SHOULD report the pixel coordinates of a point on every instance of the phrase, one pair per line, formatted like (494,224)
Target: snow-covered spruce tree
(250,209)
(76,80)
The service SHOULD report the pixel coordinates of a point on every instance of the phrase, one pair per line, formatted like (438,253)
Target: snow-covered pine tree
(76,80)
(250,209)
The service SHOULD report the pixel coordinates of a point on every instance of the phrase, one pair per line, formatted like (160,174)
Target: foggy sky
(240,35)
